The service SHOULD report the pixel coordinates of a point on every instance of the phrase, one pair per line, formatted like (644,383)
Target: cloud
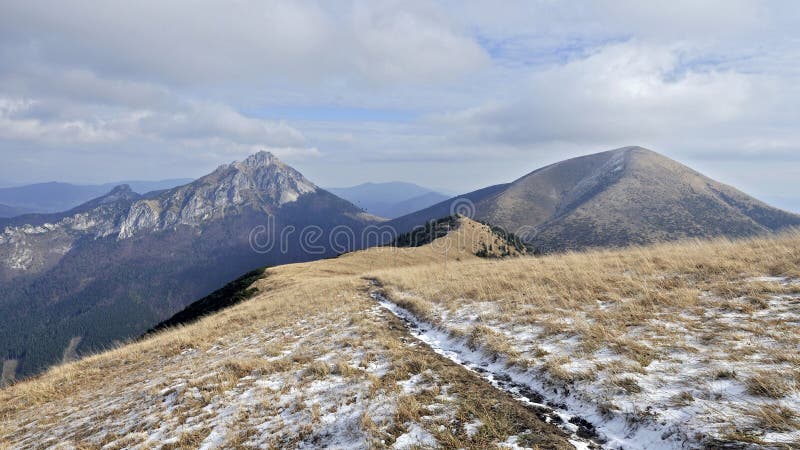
(708,21)
(414,44)
(629,92)
(200,121)
(209,42)
(22,119)
(157,87)
(155,76)
(16,124)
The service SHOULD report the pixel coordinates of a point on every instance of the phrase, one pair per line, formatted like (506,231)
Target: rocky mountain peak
(122,188)
(262,158)
(261,182)
(269,178)
(121,193)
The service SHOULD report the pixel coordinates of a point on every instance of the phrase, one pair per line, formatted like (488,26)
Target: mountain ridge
(113,267)
(630,195)
(7,211)
(390,199)
(54,196)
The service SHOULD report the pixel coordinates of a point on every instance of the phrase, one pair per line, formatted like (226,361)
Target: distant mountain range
(390,200)
(621,197)
(117,265)
(56,197)
(12,211)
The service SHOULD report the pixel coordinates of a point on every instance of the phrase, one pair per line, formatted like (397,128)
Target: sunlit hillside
(658,347)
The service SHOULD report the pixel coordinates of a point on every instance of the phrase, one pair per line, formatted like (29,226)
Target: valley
(389,200)
(112,268)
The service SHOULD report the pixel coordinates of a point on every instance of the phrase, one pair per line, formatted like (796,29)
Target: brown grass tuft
(767,384)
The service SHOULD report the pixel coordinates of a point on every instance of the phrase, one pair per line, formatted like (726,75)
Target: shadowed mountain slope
(114,267)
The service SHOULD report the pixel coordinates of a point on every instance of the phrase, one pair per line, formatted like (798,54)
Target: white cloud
(200,121)
(478,84)
(156,76)
(15,125)
(209,42)
(189,122)
(629,92)
(399,42)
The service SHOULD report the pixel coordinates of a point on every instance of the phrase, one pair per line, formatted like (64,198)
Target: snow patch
(416,436)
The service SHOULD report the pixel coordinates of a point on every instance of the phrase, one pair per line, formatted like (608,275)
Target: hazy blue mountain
(390,200)
(12,211)
(414,204)
(56,197)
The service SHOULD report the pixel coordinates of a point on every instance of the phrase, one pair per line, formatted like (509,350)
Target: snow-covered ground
(332,380)
(673,347)
(705,379)
(498,374)
(296,386)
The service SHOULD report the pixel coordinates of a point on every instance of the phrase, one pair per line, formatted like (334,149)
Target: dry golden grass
(608,315)
(662,275)
(312,325)
(635,285)
(640,306)
(768,384)
(777,418)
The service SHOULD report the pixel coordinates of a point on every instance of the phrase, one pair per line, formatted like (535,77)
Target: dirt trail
(582,434)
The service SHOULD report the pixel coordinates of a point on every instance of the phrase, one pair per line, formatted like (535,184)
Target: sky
(453,95)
